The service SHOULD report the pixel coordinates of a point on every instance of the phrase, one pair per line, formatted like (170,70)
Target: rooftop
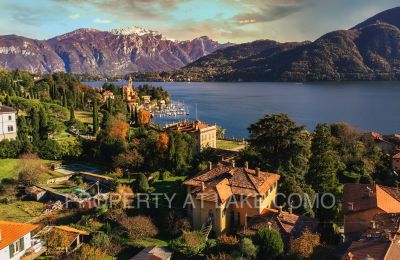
(188,126)
(6,109)
(153,253)
(12,231)
(227,180)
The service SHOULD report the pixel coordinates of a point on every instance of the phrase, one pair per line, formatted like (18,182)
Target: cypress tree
(71,113)
(35,124)
(43,123)
(95,118)
(65,102)
(8,101)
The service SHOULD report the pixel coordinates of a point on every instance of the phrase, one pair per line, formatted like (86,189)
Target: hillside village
(86,174)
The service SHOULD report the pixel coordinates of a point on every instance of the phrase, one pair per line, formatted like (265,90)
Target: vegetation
(270,243)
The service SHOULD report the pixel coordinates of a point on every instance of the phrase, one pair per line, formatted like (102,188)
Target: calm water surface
(372,106)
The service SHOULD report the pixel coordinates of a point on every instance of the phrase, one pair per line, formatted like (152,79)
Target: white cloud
(98,20)
(74,16)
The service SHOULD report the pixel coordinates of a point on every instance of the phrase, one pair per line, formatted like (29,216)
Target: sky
(222,20)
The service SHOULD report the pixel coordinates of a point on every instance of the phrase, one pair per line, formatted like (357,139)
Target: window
(10,128)
(16,247)
(9,118)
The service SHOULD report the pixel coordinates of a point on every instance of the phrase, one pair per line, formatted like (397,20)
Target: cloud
(268,11)
(74,16)
(103,21)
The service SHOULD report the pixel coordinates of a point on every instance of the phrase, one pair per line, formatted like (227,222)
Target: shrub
(220,256)
(303,246)
(139,227)
(247,248)
(270,242)
(227,243)
(176,224)
(88,252)
(142,183)
(100,240)
(165,175)
(31,170)
(189,244)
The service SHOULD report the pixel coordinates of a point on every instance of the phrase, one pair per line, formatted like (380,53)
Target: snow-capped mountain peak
(133,30)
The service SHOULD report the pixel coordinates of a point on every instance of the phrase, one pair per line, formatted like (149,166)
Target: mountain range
(109,53)
(368,51)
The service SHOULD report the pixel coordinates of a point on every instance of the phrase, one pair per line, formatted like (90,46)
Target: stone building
(8,123)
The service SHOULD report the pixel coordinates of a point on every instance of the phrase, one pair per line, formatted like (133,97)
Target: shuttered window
(11,249)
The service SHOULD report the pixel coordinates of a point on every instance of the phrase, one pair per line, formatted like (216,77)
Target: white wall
(5,253)
(4,123)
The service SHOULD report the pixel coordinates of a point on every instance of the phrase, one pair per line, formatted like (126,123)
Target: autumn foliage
(163,142)
(119,127)
(303,246)
(144,117)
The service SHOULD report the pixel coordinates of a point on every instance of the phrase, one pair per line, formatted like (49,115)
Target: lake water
(372,106)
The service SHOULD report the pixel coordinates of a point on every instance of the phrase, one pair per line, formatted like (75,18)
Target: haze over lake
(371,106)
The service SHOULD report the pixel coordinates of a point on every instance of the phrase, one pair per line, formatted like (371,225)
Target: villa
(15,239)
(205,135)
(8,123)
(225,196)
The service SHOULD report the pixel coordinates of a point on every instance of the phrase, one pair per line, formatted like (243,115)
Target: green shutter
(21,244)
(11,249)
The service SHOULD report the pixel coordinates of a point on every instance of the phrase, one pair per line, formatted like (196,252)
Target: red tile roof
(359,197)
(12,231)
(223,181)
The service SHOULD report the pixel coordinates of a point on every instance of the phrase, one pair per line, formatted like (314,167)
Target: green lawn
(228,145)
(8,169)
(84,116)
(147,242)
(21,211)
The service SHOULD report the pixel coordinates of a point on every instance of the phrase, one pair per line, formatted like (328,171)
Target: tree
(95,118)
(35,125)
(130,159)
(43,123)
(282,145)
(144,117)
(163,142)
(303,246)
(100,240)
(270,243)
(71,113)
(119,127)
(324,163)
(247,248)
(31,170)
(139,227)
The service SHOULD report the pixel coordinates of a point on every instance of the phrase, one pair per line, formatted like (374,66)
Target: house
(205,135)
(8,123)
(108,95)
(286,223)
(380,241)
(15,239)
(35,193)
(362,202)
(74,237)
(382,143)
(225,195)
(395,161)
(154,253)
(146,99)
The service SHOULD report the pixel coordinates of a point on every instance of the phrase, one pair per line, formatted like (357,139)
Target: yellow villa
(226,196)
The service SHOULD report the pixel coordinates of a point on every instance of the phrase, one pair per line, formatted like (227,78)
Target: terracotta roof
(283,222)
(108,93)
(12,231)
(359,197)
(72,230)
(188,126)
(380,241)
(6,109)
(396,156)
(222,181)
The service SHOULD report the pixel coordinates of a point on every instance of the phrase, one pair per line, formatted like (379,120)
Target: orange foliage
(163,142)
(119,128)
(144,117)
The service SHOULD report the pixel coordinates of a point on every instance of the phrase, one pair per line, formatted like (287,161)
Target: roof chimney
(233,163)
(1,238)
(388,234)
(350,206)
(258,172)
(246,165)
(269,225)
(373,224)
(290,210)
(280,209)
(203,186)
(350,256)
(210,166)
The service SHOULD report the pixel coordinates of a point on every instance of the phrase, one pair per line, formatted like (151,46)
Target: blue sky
(223,20)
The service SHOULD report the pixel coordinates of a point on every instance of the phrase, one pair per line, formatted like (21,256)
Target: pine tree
(95,118)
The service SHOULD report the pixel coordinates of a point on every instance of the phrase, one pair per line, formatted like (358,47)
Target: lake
(371,106)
